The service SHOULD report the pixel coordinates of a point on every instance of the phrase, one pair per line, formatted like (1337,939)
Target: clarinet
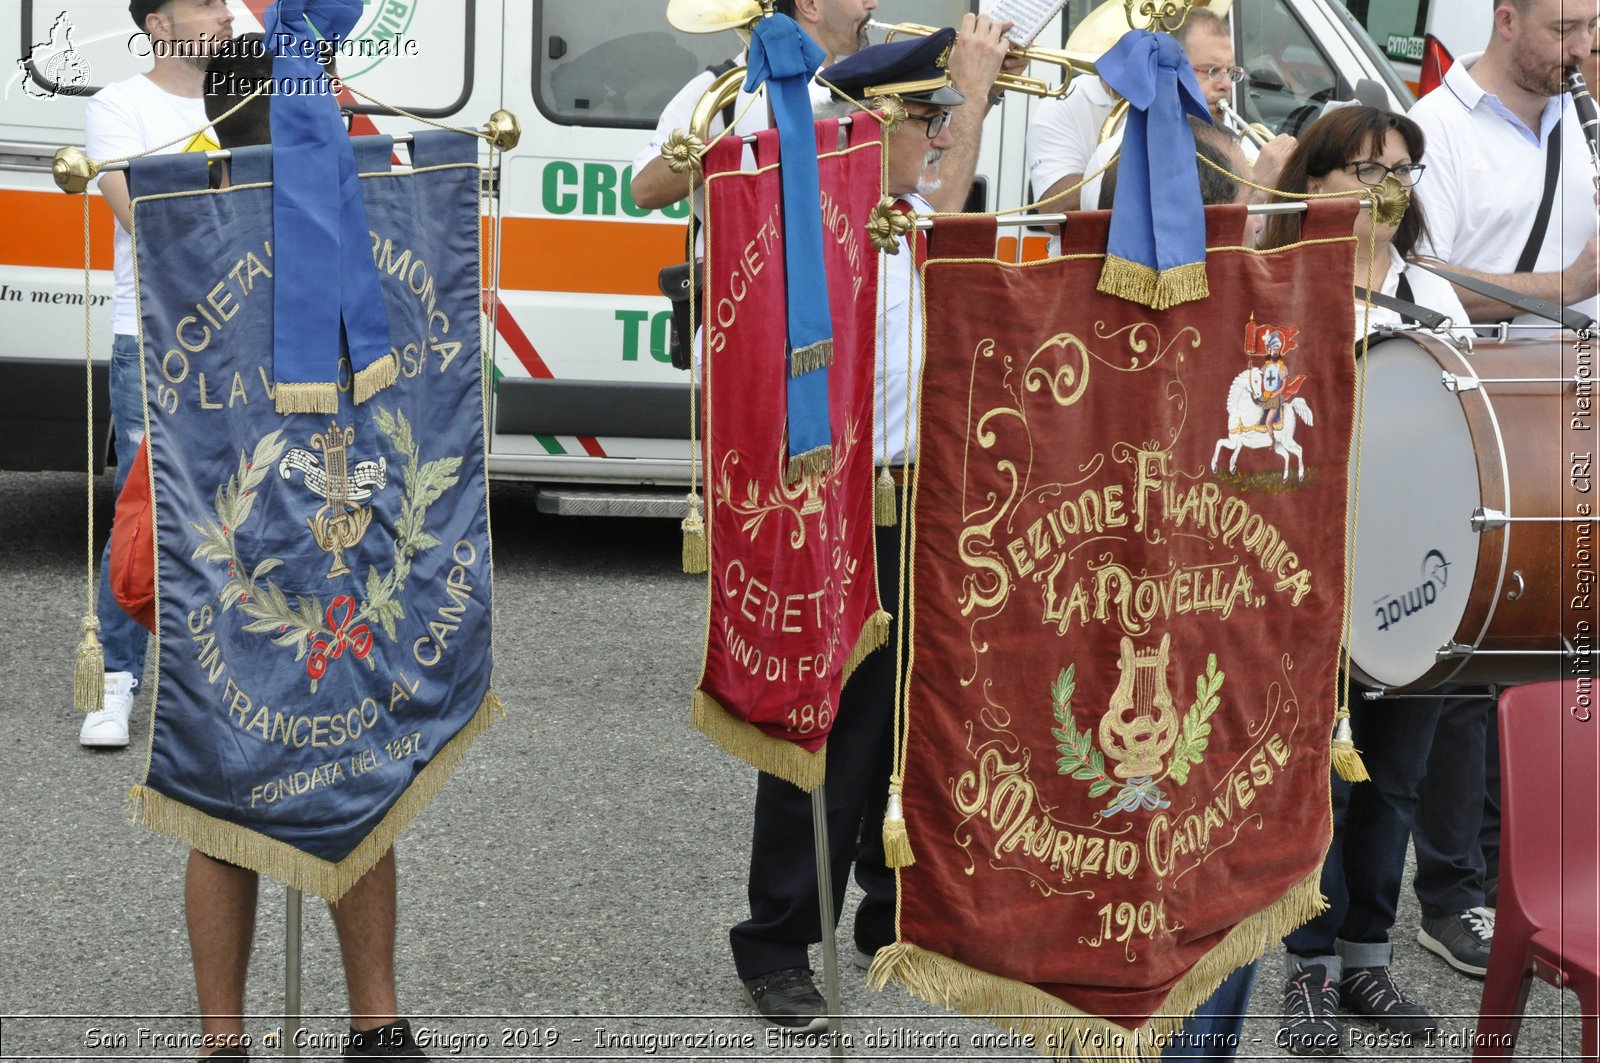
(1588,115)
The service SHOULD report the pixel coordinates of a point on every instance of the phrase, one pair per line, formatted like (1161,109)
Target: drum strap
(1541,220)
(1409,312)
(1561,315)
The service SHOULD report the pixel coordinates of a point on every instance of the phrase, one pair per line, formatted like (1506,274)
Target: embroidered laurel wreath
(320,635)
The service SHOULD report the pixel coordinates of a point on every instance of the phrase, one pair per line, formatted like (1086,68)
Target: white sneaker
(108,728)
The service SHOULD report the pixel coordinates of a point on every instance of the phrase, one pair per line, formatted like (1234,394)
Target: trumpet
(1257,132)
(1028,86)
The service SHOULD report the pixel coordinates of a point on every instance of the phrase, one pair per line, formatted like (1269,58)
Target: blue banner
(324,581)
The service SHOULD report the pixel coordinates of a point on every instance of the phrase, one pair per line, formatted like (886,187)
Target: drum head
(1416,554)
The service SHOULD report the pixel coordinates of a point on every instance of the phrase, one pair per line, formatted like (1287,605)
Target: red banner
(793,580)
(1128,585)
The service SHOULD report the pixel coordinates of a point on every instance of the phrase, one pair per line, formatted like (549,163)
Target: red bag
(133,550)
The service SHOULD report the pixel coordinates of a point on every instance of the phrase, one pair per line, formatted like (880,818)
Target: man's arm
(656,186)
(1269,164)
(1071,201)
(111,132)
(979,54)
(1563,287)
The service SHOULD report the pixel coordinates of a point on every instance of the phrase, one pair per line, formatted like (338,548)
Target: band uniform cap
(913,69)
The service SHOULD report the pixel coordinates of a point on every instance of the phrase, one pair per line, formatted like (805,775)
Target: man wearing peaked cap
(915,69)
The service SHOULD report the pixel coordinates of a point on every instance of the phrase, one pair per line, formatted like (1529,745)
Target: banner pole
(291,973)
(830,951)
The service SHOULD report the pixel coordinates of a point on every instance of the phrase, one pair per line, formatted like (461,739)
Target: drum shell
(1533,449)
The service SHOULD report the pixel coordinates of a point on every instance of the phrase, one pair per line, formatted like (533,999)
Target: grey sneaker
(108,727)
(1370,992)
(1461,939)
(1310,1013)
(789,998)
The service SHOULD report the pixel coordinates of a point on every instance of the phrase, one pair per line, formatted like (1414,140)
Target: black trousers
(784,917)
(1457,836)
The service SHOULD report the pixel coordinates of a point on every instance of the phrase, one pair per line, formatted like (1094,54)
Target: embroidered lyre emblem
(341,521)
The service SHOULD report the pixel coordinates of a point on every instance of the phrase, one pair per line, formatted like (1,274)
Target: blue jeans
(124,640)
(1214,1030)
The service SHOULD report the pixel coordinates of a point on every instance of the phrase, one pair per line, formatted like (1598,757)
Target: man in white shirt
(1494,128)
(122,119)
(1489,128)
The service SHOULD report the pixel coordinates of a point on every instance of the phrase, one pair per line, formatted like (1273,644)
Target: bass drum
(1474,539)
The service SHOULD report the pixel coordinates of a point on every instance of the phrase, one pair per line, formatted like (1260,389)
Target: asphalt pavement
(566,896)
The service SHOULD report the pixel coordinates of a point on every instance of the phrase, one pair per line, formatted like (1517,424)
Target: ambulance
(585,402)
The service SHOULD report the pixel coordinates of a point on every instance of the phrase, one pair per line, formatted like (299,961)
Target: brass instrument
(723,91)
(714,16)
(1257,132)
(1029,86)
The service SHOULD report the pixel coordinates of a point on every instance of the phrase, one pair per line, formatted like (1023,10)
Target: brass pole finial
(1158,15)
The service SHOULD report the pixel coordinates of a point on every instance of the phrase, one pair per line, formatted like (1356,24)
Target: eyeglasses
(1372,174)
(1234,74)
(937,123)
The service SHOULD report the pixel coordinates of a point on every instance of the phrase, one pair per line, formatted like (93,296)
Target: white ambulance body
(586,403)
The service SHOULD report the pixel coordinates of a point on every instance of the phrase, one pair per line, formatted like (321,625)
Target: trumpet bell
(712,16)
(1103,27)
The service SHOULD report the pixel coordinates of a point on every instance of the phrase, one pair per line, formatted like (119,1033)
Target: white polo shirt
(1064,132)
(1428,290)
(1485,173)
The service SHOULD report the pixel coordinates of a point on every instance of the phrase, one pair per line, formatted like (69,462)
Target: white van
(1423,37)
(586,403)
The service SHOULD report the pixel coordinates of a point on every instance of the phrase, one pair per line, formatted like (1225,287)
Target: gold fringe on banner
(755,747)
(696,557)
(306,398)
(777,756)
(1346,757)
(817,356)
(222,840)
(811,463)
(89,669)
(377,376)
(883,507)
(1061,1030)
(1141,284)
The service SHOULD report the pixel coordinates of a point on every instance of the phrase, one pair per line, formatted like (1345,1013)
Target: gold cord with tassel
(695,556)
(896,842)
(1346,757)
(89,665)
(883,507)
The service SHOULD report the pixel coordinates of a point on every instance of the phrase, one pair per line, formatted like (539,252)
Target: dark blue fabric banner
(324,581)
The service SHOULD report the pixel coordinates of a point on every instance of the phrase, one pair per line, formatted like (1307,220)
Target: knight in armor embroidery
(1271,385)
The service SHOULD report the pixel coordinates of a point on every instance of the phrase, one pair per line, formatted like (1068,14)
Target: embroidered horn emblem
(341,521)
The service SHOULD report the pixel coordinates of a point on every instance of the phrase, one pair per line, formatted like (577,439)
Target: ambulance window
(619,63)
(1397,25)
(1287,75)
(396,41)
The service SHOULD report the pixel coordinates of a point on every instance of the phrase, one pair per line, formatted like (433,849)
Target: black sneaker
(789,998)
(384,1043)
(1310,1010)
(1371,993)
(1461,939)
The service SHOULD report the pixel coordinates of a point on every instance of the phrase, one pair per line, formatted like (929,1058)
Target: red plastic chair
(1547,921)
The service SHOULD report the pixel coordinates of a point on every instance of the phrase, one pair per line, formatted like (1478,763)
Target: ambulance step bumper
(613,502)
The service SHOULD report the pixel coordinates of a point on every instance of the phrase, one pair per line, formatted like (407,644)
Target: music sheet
(1029,16)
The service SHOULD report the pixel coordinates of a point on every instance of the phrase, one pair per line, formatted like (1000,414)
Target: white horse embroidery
(1246,431)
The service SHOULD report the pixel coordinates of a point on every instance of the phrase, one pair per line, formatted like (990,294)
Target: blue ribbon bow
(1157,247)
(327,296)
(785,58)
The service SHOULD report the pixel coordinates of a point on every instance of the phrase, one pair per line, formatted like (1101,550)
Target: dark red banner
(1128,587)
(794,599)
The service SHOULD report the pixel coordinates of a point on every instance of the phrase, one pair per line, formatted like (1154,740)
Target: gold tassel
(809,359)
(883,507)
(377,376)
(306,398)
(696,559)
(896,842)
(89,670)
(1346,757)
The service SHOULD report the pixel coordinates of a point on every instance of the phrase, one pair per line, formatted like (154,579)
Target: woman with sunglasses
(1353,148)
(1341,958)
